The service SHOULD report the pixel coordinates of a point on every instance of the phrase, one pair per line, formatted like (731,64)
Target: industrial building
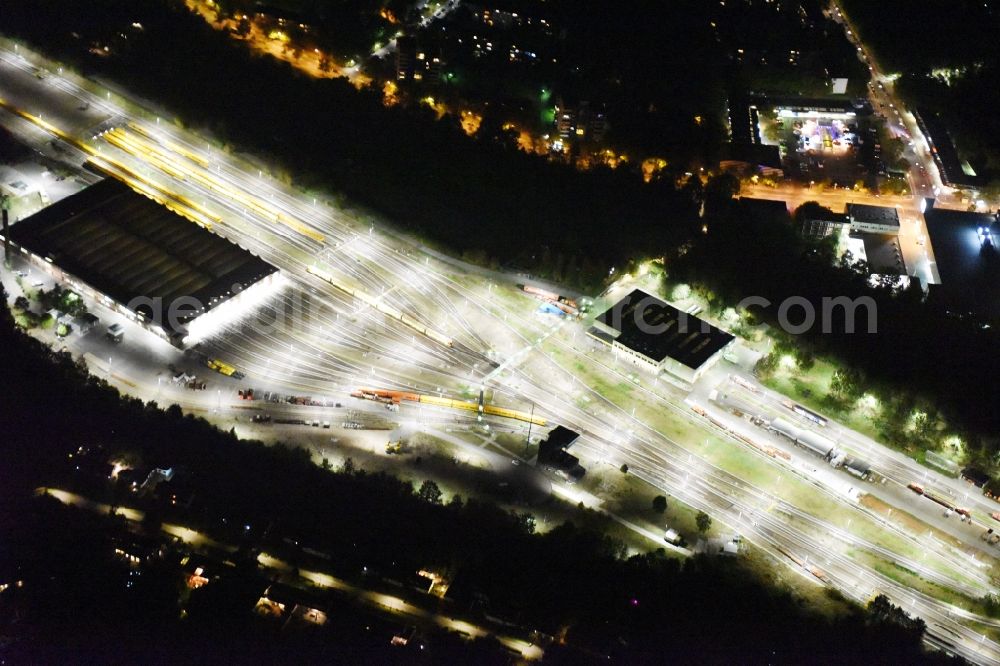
(753,158)
(657,336)
(140,259)
(955,172)
(764,211)
(823,224)
(873,219)
(967,251)
(552,454)
(881,252)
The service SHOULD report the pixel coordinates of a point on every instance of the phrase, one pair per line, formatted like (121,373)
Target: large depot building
(139,258)
(657,336)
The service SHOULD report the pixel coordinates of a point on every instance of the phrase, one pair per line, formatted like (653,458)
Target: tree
(846,382)
(659,504)
(892,147)
(811,210)
(51,298)
(766,365)
(704,522)
(70,303)
(992,603)
(694,189)
(527,523)
(429,492)
(624,469)
(805,359)
(883,610)
(719,190)
(348,466)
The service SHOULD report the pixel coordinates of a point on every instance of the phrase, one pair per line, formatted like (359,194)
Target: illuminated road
(384,602)
(924,177)
(332,338)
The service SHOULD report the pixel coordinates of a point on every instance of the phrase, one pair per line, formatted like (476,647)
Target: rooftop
(953,170)
(127,246)
(553,448)
(658,330)
(752,153)
(873,214)
(764,210)
(824,214)
(562,437)
(967,250)
(884,254)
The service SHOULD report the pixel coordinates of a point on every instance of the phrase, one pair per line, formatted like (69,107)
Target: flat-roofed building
(873,219)
(967,251)
(823,224)
(552,454)
(884,254)
(139,258)
(657,336)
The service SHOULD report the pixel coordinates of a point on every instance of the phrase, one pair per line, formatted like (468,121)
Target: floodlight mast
(5,205)
(531,422)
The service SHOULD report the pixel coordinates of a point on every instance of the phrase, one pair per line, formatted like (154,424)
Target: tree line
(918,348)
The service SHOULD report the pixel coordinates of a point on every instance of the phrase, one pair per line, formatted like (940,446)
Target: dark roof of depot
(884,254)
(753,153)
(807,104)
(670,332)
(824,214)
(969,269)
(764,210)
(562,437)
(873,214)
(126,246)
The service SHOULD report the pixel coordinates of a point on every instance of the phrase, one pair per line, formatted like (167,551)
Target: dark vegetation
(345,28)
(606,55)
(918,349)
(644,609)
